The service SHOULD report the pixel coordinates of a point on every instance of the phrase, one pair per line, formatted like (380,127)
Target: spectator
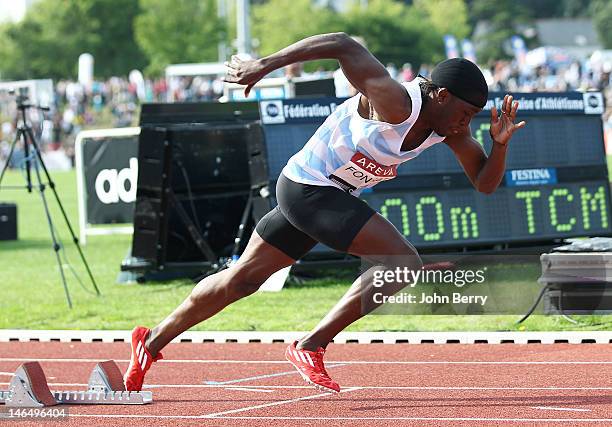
(392,70)
(407,74)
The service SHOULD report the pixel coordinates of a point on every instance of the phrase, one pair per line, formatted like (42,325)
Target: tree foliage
(178,31)
(395,32)
(46,43)
(447,16)
(279,23)
(127,34)
(49,40)
(602,17)
(116,51)
(501,17)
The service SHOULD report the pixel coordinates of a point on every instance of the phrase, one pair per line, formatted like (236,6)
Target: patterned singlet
(353,153)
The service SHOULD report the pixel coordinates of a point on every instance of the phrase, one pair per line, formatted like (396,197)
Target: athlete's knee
(244,281)
(403,255)
(230,285)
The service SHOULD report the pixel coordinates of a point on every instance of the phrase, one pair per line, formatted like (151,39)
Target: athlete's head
(461,92)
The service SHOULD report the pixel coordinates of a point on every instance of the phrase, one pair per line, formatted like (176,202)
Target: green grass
(31,295)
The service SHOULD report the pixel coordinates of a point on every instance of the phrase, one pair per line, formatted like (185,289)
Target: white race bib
(362,172)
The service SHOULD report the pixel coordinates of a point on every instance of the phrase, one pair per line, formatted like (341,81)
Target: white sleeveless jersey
(353,153)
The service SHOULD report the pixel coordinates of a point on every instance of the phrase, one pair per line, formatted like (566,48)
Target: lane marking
(258,390)
(309,387)
(344,362)
(58,360)
(452,419)
(277,403)
(551,408)
(259,377)
(407,362)
(407,388)
(449,419)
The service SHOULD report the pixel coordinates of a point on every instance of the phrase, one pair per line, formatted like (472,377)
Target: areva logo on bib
(362,172)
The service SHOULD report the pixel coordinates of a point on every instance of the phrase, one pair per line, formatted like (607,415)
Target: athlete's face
(454,115)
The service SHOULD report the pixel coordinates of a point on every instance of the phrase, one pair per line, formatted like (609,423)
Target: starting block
(29,389)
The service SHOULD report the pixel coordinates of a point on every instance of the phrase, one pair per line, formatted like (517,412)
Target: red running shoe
(141,360)
(310,366)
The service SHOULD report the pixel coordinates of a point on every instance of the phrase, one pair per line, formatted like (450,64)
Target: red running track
(383,384)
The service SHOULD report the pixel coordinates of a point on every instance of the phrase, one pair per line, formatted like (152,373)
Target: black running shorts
(307,214)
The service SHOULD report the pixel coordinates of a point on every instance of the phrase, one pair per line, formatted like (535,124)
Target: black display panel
(210,158)
(282,142)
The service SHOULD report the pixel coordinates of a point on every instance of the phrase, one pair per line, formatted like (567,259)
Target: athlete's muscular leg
(215,292)
(378,242)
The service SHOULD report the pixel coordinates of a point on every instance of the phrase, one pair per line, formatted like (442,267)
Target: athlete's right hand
(245,72)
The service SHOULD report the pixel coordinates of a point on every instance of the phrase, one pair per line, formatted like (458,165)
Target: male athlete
(385,124)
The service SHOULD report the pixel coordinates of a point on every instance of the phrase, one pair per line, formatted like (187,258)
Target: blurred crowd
(103,104)
(115,102)
(80,106)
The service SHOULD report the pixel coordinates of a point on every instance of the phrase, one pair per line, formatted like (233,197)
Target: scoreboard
(555,186)
(464,217)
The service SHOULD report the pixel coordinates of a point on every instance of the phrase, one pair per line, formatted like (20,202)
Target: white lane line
(155,417)
(551,408)
(258,390)
(58,360)
(447,419)
(344,362)
(7,373)
(405,362)
(277,403)
(260,377)
(309,387)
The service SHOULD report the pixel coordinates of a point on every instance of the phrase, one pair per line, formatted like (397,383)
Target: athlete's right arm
(388,97)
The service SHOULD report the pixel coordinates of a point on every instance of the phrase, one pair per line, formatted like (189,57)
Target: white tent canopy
(201,69)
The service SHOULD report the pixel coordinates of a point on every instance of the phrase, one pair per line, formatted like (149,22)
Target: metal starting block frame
(29,389)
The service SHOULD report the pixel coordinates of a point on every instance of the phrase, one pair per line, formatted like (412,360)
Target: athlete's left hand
(245,72)
(503,127)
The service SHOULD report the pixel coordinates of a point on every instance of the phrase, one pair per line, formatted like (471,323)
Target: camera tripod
(33,160)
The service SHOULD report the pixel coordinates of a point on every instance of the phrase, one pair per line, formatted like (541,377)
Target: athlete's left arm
(486,172)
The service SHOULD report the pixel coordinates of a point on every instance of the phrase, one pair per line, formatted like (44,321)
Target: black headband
(463,79)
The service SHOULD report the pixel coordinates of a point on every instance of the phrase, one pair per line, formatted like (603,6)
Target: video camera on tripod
(22,99)
(21,95)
